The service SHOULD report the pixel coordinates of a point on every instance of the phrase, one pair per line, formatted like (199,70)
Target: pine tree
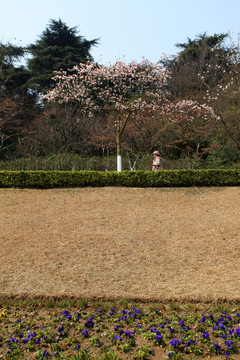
(59,47)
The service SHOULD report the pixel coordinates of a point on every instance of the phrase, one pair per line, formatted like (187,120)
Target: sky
(126,29)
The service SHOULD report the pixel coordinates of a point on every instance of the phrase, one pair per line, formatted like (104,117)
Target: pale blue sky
(129,28)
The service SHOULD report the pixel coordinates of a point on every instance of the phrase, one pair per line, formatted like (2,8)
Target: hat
(156,152)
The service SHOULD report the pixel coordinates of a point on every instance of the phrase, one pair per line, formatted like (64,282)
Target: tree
(193,125)
(224,94)
(12,78)
(196,57)
(59,47)
(127,91)
(17,105)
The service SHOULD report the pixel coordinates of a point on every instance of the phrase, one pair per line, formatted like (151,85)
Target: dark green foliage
(202,48)
(165,178)
(59,47)
(13,78)
(194,58)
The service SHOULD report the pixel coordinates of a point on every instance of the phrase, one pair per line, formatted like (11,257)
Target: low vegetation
(81,329)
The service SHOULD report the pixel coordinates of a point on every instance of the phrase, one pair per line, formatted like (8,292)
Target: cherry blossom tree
(132,93)
(193,125)
(129,91)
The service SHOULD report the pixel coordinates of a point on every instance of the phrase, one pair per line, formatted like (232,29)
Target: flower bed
(41,330)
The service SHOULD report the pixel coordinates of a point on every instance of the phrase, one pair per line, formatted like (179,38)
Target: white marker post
(119,163)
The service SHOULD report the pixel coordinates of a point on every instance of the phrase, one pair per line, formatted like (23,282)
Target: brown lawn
(179,244)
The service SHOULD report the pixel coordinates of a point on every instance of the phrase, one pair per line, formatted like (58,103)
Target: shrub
(164,178)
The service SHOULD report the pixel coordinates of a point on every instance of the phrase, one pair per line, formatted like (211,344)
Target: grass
(78,329)
(202,259)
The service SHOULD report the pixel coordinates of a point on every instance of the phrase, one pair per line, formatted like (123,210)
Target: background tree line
(206,69)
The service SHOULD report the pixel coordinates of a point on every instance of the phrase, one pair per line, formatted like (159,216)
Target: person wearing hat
(157,161)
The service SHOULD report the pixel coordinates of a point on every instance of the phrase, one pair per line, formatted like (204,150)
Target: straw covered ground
(109,243)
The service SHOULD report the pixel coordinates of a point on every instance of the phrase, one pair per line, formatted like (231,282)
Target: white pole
(119,163)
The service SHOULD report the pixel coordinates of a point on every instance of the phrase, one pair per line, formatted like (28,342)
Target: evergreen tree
(18,105)
(59,47)
(197,57)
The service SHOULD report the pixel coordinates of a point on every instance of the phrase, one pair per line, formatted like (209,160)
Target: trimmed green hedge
(163,178)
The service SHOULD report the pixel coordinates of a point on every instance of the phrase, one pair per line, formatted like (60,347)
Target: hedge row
(164,178)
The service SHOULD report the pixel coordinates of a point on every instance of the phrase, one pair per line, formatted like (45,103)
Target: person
(157,161)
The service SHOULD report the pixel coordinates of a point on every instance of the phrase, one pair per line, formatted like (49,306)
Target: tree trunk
(119,158)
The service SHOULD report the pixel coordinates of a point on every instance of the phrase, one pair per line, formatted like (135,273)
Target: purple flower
(14,339)
(60,329)
(85,333)
(45,354)
(140,326)
(118,338)
(217,347)
(181,323)
(238,332)
(170,355)
(112,312)
(174,342)
(116,328)
(66,313)
(128,333)
(89,323)
(77,347)
(158,337)
(227,354)
(153,330)
(24,341)
(37,340)
(229,344)
(205,335)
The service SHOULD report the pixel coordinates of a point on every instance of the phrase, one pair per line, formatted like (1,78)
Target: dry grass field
(146,244)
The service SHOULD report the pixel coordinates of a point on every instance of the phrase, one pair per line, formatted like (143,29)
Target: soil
(110,243)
